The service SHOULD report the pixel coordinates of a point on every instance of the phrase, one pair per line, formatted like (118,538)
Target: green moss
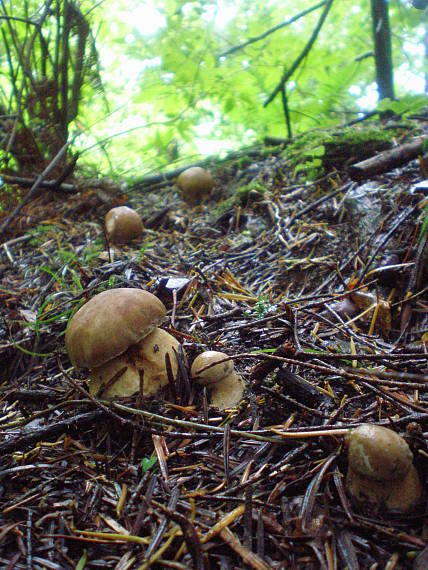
(224,206)
(243,196)
(325,149)
(249,193)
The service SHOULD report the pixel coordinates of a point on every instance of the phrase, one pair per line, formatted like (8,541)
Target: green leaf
(147,463)
(82,562)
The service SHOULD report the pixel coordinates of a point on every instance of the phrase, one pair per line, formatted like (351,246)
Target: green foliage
(40,233)
(145,247)
(262,308)
(310,152)
(312,163)
(364,135)
(48,66)
(177,84)
(406,105)
(147,463)
(249,193)
(82,562)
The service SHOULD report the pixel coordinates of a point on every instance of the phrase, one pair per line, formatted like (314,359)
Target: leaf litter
(316,288)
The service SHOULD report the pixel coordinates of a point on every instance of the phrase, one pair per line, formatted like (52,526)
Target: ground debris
(260,272)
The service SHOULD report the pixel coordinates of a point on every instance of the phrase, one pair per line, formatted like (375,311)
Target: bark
(382,45)
(386,161)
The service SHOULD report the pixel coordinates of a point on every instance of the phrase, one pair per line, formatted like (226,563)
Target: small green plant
(312,165)
(38,233)
(92,251)
(250,192)
(406,105)
(147,463)
(112,281)
(145,247)
(262,308)
(67,256)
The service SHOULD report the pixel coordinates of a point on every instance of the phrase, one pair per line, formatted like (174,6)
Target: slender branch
(287,74)
(286,111)
(272,30)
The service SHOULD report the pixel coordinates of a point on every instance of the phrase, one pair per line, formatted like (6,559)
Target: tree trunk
(426,56)
(382,42)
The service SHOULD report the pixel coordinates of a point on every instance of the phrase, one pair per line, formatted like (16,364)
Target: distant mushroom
(380,469)
(195,183)
(115,335)
(123,224)
(211,369)
(344,308)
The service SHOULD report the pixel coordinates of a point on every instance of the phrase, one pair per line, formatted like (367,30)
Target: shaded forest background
(140,86)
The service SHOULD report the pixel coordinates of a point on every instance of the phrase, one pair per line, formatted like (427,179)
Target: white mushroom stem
(147,356)
(395,494)
(228,392)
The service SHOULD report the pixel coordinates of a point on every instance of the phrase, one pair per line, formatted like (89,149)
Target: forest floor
(315,283)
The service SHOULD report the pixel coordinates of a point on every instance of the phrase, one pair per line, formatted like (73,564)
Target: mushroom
(380,469)
(227,387)
(115,335)
(344,308)
(195,183)
(123,224)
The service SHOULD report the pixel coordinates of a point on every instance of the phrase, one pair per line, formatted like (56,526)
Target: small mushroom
(195,183)
(212,370)
(380,469)
(123,224)
(344,308)
(369,300)
(116,333)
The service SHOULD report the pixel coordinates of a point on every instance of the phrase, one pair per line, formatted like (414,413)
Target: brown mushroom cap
(148,355)
(216,372)
(195,183)
(378,453)
(109,324)
(226,386)
(123,224)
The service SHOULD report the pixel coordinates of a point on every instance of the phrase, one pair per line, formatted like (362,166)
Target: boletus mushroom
(116,336)
(195,183)
(380,469)
(123,224)
(211,369)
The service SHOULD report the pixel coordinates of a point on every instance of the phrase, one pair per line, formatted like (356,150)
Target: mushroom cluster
(195,183)
(380,469)
(116,336)
(212,369)
(123,224)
